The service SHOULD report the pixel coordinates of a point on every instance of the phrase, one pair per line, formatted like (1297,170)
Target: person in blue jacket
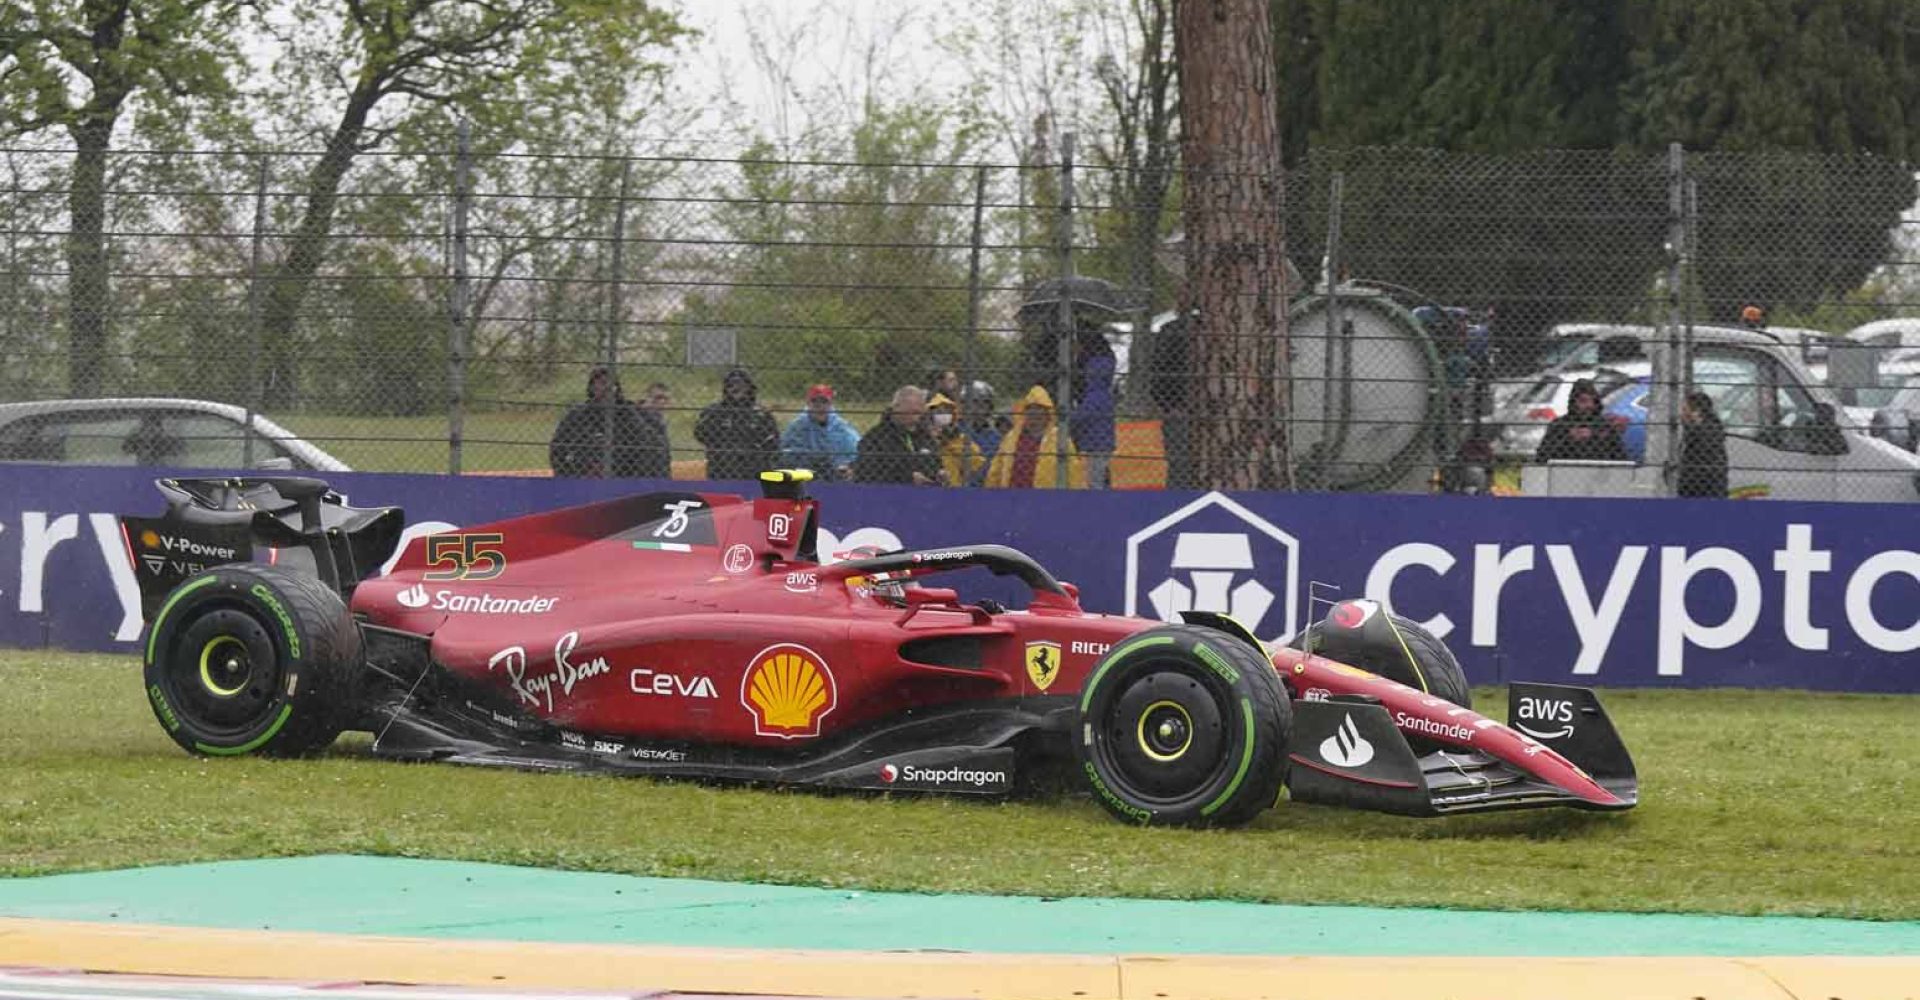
(1092,419)
(820,439)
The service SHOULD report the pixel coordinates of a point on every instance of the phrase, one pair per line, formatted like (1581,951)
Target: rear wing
(299,522)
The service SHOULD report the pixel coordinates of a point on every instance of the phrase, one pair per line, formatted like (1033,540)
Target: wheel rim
(1165,731)
(222,673)
(225,665)
(1165,740)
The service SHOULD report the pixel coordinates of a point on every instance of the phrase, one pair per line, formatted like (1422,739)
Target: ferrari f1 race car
(700,636)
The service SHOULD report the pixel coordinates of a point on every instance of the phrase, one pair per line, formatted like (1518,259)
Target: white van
(1785,435)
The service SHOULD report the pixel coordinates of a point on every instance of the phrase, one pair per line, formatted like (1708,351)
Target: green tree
(526,69)
(79,65)
(1550,236)
(849,272)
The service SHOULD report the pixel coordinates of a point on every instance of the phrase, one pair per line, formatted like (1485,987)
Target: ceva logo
(1215,555)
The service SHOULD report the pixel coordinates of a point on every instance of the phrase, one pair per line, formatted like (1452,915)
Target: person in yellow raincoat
(1028,454)
(960,458)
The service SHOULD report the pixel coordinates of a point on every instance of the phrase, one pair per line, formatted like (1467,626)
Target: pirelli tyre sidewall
(246,659)
(1184,726)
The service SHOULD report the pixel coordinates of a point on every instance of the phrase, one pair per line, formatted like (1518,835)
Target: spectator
(655,407)
(1028,455)
(961,460)
(1583,432)
(1092,419)
(151,443)
(943,382)
(898,449)
(821,439)
(605,427)
(739,434)
(1703,449)
(1753,317)
(982,425)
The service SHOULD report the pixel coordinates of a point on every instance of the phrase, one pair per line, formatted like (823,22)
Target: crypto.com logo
(1215,555)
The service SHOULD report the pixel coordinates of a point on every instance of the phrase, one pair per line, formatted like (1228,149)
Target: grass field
(1752,803)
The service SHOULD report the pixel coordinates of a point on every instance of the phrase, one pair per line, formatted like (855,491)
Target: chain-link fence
(440,309)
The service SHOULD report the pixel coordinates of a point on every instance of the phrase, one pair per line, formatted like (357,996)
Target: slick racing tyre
(249,659)
(1363,634)
(1184,726)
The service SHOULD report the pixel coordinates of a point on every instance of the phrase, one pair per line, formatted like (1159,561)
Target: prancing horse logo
(1043,663)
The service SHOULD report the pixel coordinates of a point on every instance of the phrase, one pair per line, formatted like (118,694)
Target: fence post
(611,346)
(1329,441)
(1672,378)
(457,300)
(1063,400)
(13,269)
(973,276)
(256,391)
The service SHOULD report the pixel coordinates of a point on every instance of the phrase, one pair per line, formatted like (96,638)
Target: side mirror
(277,464)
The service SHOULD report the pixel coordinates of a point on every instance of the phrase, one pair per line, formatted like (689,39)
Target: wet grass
(1753,803)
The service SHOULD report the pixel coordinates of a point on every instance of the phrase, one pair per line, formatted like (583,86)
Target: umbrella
(1094,293)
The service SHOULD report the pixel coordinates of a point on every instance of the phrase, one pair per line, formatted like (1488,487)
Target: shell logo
(789,690)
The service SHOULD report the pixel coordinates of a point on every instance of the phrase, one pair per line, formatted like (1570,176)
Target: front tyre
(249,659)
(1184,726)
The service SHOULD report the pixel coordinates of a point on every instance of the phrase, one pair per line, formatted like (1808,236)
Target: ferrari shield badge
(1043,663)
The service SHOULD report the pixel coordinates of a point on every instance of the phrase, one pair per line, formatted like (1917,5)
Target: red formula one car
(698,635)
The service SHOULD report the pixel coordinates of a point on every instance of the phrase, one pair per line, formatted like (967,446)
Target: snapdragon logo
(946,776)
(1215,555)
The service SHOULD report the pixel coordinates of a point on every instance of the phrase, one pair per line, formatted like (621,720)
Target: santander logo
(413,597)
(1345,748)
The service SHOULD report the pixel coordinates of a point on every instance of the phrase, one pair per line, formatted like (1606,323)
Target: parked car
(1575,347)
(1524,419)
(1890,334)
(171,433)
(1627,406)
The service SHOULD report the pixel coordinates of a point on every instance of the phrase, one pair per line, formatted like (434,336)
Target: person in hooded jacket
(821,439)
(739,434)
(1029,454)
(961,459)
(604,427)
(1703,450)
(1582,433)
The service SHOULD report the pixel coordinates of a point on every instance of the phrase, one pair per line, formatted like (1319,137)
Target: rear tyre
(250,659)
(1184,726)
(1363,634)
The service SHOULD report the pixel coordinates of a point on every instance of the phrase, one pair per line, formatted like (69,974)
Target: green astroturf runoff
(464,900)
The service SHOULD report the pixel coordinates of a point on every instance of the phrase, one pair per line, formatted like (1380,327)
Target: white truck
(1786,435)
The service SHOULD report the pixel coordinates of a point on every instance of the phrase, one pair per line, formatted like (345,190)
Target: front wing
(1346,751)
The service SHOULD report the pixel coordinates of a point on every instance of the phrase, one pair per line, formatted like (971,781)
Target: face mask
(942,419)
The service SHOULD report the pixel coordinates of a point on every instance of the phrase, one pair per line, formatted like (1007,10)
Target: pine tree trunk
(1236,248)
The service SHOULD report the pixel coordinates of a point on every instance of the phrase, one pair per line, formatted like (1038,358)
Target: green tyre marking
(1143,815)
(161,706)
(1246,761)
(251,745)
(154,632)
(1219,664)
(267,597)
(1115,656)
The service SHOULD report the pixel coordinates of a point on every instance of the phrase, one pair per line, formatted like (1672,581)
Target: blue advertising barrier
(1690,593)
